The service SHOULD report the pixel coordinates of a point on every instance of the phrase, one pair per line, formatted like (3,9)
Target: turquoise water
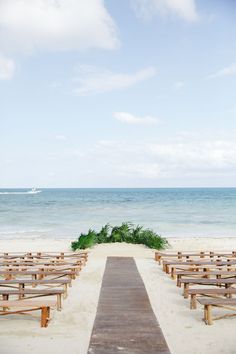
(172,212)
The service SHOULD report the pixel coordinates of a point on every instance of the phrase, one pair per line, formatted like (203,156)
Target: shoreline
(182,242)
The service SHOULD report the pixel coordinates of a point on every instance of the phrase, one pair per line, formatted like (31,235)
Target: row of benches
(46,271)
(218,271)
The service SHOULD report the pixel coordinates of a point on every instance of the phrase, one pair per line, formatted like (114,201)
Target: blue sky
(137,93)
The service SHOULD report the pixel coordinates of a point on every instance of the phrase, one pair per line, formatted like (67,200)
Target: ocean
(171,212)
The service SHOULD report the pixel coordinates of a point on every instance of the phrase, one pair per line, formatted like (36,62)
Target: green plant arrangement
(126,232)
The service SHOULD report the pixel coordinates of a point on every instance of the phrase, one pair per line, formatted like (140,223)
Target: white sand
(69,330)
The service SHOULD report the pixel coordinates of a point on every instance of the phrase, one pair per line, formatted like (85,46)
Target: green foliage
(121,233)
(137,234)
(124,233)
(85,241)
(152,240)
(103,235)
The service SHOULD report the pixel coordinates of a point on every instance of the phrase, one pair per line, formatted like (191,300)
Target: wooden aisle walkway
(125,322)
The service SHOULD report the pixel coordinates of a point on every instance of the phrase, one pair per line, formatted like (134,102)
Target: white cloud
(55,25)
(186,157)
(187,160)
(185,9)
(131,119)
(90,79)
(227,71)
(197,155)
(7,68)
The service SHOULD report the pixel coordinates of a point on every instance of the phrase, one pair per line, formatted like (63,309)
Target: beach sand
(70,329)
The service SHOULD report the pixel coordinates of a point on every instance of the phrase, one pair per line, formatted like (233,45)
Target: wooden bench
(28,306)
(24,262)
(169,263)
(37,274)
(223,303)
(159,256)
(208,292)
(217,282)
(34,293)
(218,274)
(200,268)
(21,283)
(37,255)
(42,267)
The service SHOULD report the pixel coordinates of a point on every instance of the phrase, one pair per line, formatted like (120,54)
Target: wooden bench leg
(178,281)
(205,314)
(186,287)
(228,286)
(59,307)
(5,297)
(157,257)
(45,315)
(21,288)
(72,276)
(65,291)
(193,302)
(209,314)
(34,277)
(172,273)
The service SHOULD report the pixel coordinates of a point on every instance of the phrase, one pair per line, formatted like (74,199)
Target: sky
(128,93)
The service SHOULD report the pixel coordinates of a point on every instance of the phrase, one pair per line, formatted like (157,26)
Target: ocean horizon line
(103,188)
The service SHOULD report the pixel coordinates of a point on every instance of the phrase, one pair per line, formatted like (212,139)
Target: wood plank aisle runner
(125,322)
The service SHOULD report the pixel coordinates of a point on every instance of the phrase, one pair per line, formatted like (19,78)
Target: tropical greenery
(126,232)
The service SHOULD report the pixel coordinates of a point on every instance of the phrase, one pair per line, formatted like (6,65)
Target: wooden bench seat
(159,256)
(38,255)
(218,274)
(223,303)
(34,293)
(169,263)
(200,268)
(37,274)
(43,268)
(208,292)
(201,281)
(42,263)
(21,283)
(27,306)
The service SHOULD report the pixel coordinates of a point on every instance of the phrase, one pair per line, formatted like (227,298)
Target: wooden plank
(26,303)
(212,291)
(208,292)
(125,322)
(34,293)
(31,291)
(216,302)
(200,273)
(226,274)
(208,281)
(28,281)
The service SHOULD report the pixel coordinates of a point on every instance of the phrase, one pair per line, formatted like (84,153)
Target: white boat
(34,191)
